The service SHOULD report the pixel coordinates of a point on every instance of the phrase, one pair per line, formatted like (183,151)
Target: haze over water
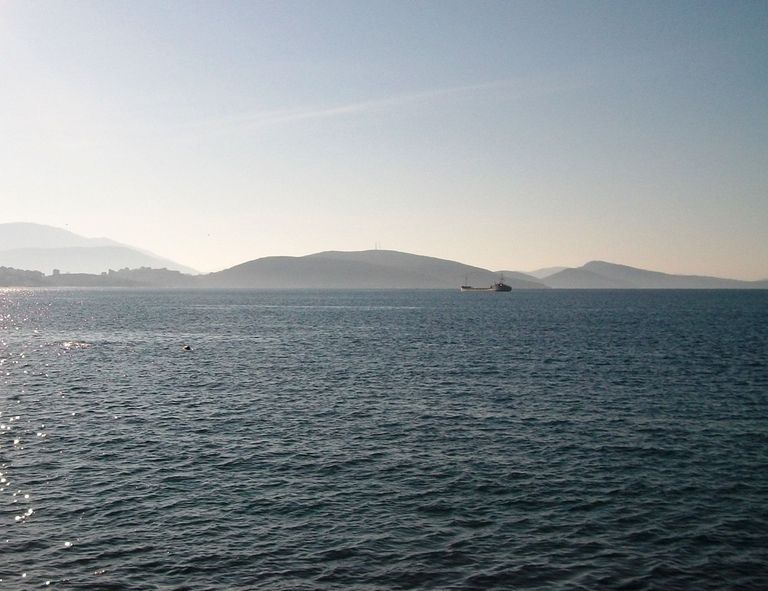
(383,440)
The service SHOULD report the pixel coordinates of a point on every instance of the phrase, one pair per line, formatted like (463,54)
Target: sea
(377,440)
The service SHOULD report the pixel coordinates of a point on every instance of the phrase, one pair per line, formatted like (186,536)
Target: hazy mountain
(19,235)
(656,280)
(603,275)
(44,248)
(545,272)
(583,279)
(93,259)
(350,270)
(517,275)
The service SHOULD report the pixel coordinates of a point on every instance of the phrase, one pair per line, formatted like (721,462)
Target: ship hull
(492,288)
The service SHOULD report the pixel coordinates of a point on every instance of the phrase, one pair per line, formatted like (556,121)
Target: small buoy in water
(187,348)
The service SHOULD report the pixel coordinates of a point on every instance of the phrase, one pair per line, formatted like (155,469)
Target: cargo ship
(498,286)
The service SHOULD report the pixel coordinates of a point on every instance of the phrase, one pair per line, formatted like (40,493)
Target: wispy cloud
(513,89)
(361,107)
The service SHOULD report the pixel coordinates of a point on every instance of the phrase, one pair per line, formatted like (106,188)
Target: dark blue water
(384,440)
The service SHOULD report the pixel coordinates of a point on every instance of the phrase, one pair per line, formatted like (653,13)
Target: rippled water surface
(383,440)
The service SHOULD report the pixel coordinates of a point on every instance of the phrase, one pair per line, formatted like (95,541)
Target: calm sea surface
(383,440)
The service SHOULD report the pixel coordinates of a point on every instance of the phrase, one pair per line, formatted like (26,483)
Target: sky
(509,135)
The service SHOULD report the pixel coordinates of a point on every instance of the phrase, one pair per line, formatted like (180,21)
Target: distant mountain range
(45,248)
(391,269)
(37,249)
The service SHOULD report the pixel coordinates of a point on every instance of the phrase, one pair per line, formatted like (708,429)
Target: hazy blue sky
(509,135)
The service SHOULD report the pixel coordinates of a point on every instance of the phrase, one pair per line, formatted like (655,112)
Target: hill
(44,248)
(604,275)
(369,269)
(582,278)
(22,235)
(545,272)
